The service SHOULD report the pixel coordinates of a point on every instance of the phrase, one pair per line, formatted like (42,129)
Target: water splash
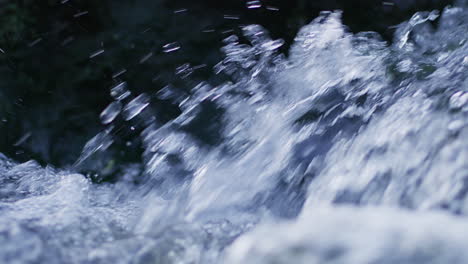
(342,137)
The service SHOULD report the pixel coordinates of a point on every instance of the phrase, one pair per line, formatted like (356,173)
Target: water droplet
(35,42)
(100,142)
(96,53)
(254,4)
(170,47)
(134,107)
(184,70)
(79,14)
(169,93)
(117,74)
(120,92)
(227,31)
(272,8)
(199,66)
(231,17)
(146,57)
(22,139)
(111,112)
(146,30)
(67,41)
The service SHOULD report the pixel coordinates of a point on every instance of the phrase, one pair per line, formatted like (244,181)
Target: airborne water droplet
(96,53)
(23,139)
(146,57)
(208,31)
(272,8)
(117,74)
(120,92)
(170,47)
(111,112)
(134,107)
(183,10)
(231,17)
(254,4)
(184,70)
(80,14)
(35,42)
(67,41)
(100,142)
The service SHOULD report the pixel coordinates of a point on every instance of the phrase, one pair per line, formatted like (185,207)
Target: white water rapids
(350,150)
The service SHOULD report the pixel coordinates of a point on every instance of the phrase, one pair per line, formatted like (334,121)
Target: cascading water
(347,151)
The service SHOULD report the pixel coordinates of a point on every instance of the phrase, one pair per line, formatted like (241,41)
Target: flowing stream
(348,150)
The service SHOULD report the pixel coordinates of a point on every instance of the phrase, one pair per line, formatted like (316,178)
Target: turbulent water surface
(350,150)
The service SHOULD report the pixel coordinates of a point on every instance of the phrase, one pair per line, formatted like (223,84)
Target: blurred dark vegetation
(52,89)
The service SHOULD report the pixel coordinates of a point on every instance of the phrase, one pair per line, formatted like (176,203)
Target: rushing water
(347,151)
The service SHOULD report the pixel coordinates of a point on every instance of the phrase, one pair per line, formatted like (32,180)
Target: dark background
(51,91)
